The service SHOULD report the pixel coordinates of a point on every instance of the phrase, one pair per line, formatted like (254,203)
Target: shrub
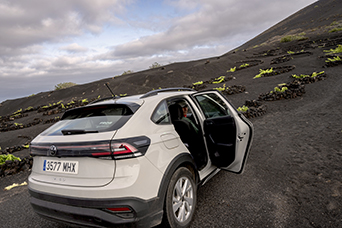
(232,69)
(314,74)
(262,72)
(335,30)
(300,36)
(244,108)
(155,65)
(334,51)
(198,83)
(337,58)
(127,72)
(8,157)
(244,65)
(219,80)
(64,85)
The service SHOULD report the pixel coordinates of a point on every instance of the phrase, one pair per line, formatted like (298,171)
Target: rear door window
(91,119)
(161,114)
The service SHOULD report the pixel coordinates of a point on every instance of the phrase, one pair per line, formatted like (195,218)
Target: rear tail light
(129,148)
(115,149)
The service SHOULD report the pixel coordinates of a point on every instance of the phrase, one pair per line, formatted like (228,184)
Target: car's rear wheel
(180,201)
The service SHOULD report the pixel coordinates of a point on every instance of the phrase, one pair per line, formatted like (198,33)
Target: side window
(212,105)
(161,114)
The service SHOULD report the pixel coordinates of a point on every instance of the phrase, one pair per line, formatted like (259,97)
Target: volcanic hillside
(287,81)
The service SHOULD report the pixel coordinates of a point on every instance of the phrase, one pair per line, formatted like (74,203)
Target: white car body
(99,189)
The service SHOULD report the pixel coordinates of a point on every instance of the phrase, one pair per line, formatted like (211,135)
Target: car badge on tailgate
(52,150)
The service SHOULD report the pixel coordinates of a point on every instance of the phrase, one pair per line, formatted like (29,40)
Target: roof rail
(155,92)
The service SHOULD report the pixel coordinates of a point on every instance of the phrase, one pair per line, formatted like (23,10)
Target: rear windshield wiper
(76,132)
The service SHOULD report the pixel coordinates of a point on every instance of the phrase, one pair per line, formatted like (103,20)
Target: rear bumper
(92,212)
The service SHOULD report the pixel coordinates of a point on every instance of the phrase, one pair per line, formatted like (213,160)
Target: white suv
(136,160)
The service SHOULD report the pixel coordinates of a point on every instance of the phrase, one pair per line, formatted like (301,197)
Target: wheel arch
(181,160)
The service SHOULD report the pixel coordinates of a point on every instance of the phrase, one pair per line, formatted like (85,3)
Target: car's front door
(228,133)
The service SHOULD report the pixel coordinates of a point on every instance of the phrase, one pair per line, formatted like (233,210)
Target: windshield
(91,119)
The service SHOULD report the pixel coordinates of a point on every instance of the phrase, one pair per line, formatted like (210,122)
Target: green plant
(262,72)
(127,72)
(244,108)
(334,51)
(337,58)
(232,69)
(17,112)
(290,52)
(198,83)
(314,74)
(335,30)
(64,85)
(277,89)
(18,124)
(29,108)
(219,80)
(223,88)
(26,146)
(8,157)
(300,36)
(85,100)
(155,65)
(244,65)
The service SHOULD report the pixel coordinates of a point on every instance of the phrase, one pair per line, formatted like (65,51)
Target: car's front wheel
(180,201)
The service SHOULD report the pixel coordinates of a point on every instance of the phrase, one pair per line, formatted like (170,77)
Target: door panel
(220,135)
(228,134)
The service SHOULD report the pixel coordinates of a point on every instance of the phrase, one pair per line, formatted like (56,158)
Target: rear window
(91,119)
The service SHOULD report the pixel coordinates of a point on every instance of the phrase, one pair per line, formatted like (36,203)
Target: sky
(44,43)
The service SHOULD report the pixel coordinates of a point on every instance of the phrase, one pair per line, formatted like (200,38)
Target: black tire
(182,195)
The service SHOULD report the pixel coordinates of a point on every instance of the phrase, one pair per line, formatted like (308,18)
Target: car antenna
(106,84)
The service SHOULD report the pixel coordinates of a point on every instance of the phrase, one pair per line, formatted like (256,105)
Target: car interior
(187,126)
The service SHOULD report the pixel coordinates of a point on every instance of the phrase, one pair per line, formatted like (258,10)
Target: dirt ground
(293,176)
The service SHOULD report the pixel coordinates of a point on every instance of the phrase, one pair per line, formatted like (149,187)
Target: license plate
(69,167)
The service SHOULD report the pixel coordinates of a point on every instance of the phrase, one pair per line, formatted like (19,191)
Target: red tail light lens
(120,209)
(130,147)
(124,150)
(123,212)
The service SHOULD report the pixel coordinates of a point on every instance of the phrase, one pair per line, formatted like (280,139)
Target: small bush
(313,75)
(219,80)
(127,72)
(244,108)
(335,30)
(155,65)
(8,157)
(232,69)
(262,72)
(300,36)
(64,85)
(334,51)
(337,58)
